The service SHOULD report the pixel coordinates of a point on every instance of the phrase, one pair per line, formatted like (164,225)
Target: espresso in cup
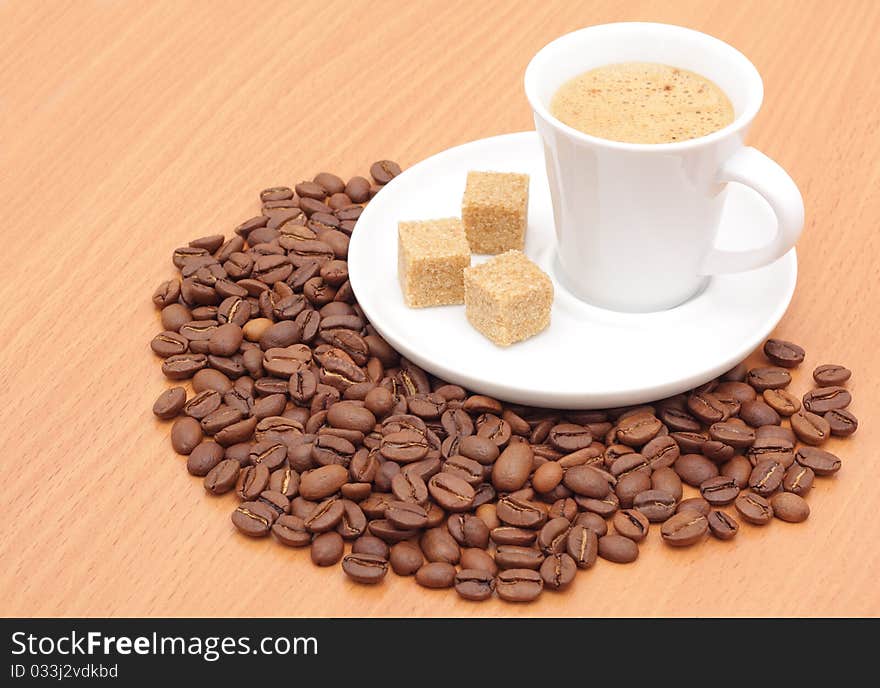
(642,102)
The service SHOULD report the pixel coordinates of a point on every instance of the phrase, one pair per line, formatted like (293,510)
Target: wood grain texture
(129,128)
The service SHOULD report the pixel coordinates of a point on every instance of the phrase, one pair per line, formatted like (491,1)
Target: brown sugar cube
(494,211)
(508,298)
(431,258)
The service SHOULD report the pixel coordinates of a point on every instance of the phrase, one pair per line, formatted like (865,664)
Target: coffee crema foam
(642,102)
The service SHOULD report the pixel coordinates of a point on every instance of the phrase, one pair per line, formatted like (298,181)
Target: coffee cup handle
(750,167)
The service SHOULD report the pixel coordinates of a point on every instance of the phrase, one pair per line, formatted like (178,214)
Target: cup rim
(530,82)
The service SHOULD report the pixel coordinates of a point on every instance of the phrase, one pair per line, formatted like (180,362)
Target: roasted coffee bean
(754,508)
(254,518)
(370,544)
(438,545)
(405,558)
(569,437)
(558,571)
(451,492)
(739,391)
(716,451)
(618,549)
(291,531)
(510,535)
(285,480)
(365,568)
(204,457)
(592,522)
(553,535)
(722,525)
(516,557)
(222,417)
(355,491)
(174,315)
(810,428)
(821,462)
(679,420)
(203,404)
(782,401)
(841,422)
(329,182)
(183,366)
(166,293)
(493,428)
(520,513)
(632,524)
(667,480)
(169,343)
(264,407)
(586,481)
(330,449)
(689,442)
(788,506)
(383,171)
(656,505)
(638,429)
(268,453)
(739,468)
(474,584)
(698,504)
(830,375)
(693,469)
(512,468)
(768,377)
(628,464)
(468,530)
(766,477)
(436,575)
(661,452)
(479,449)
(326,515)
(252,481)
(322,482)
(406,515)
(719,490)
(782,353)
(170,403)
(519,585)
(404,446)
(425,469)
(732,434)
(684,529)
(311,190)
(327,549)
(409,487)
(605,507)
(632,484)
(772,449)
(186,433)
(826,399)
(358,189)
(707,407)
(457,422)
(798,479)
(582,544)
(426,406)
(275,501)
(223,477)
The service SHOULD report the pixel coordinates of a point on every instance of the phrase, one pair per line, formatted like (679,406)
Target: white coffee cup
(636,223)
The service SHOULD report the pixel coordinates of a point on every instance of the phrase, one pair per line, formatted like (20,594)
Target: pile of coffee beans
(331,440)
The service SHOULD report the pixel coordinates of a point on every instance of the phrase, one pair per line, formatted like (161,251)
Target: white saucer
(588,357)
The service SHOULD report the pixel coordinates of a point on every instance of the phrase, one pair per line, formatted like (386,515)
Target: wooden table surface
(129,128)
